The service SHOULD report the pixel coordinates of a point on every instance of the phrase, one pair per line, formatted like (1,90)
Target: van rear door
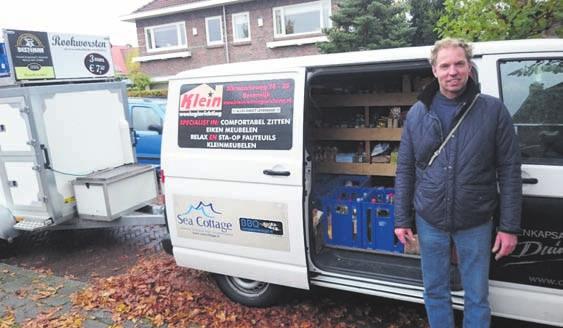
(233,160)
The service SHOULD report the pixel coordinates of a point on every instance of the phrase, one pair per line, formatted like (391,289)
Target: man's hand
(404,235)
(505,243)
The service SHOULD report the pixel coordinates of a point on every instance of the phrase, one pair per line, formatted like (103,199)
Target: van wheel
(249,292)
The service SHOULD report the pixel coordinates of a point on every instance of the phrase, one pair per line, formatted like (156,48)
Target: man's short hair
(450,43)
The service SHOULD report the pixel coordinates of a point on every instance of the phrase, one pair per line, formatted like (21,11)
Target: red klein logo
(202,101)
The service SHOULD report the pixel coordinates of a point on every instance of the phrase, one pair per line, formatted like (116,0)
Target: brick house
(177,35)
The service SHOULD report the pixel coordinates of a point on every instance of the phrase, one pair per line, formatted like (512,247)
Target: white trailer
(66,155)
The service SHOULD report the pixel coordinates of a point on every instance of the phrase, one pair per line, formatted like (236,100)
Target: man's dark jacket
(459,190)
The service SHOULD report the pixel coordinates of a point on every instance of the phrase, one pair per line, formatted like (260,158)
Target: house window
(214,30)
(241,27)
(305,18)
(166,37)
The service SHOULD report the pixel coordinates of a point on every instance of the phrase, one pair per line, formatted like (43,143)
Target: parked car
(145,117)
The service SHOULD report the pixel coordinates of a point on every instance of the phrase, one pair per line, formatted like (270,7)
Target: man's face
(452,71)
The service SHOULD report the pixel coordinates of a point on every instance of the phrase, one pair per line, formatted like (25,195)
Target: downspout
(226,41)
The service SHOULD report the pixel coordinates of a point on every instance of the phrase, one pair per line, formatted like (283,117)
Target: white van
(259,158)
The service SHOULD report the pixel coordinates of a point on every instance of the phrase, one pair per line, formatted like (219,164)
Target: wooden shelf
(358,134)
(380,169)
(367,100)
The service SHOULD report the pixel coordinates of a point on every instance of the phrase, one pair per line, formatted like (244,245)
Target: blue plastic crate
(378,220)
(326,184)
(342,224)
(360,218)
(382,195)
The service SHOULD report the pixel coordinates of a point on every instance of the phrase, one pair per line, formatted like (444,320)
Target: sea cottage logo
(204,219)
(228,221)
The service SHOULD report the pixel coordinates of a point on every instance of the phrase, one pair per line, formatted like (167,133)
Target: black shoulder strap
(439,150)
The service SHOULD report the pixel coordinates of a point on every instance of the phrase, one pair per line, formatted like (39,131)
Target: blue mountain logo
(206,210)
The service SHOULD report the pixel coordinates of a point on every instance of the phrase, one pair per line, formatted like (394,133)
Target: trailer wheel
(249,292)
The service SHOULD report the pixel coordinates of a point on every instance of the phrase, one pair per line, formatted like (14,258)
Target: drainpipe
(226,41)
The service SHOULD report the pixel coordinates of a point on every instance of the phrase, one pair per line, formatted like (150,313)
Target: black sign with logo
(31,55)
(236,115)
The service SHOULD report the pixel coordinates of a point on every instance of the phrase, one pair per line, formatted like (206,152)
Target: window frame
(317,4)
(150,46)
(214,43)
(244,13)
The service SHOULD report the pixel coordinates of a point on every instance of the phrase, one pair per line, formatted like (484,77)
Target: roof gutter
(179,9)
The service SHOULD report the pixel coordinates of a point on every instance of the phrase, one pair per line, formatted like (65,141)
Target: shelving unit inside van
(354,111)
(366,135)
(369,105)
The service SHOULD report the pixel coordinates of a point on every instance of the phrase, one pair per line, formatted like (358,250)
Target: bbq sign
(236,115)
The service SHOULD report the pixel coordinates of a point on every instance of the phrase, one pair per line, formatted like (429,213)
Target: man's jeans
(473,248)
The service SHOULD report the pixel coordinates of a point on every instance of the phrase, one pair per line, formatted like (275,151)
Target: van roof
(369,56)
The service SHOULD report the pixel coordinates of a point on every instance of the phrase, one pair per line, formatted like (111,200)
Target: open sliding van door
(528,284)
(233,160)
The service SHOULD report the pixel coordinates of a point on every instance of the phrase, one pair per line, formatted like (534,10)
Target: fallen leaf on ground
(73,319)
(8,320)
(43,291)
(158,290)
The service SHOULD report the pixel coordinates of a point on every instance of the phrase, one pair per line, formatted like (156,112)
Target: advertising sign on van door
(236,115)
(538,257)
(232,221)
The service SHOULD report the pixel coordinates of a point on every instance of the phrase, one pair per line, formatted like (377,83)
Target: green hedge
(147,93)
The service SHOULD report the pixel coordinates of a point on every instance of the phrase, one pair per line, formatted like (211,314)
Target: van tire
(249,292)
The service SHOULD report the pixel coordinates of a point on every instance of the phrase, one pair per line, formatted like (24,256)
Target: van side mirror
(156,128)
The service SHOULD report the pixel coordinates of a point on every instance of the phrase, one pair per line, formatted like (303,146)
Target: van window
(532,90)
(143,117)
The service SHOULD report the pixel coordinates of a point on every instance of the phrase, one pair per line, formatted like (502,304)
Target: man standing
(452,183)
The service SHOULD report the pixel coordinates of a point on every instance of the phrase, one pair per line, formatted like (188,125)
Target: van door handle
(276,173)
(530,180)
